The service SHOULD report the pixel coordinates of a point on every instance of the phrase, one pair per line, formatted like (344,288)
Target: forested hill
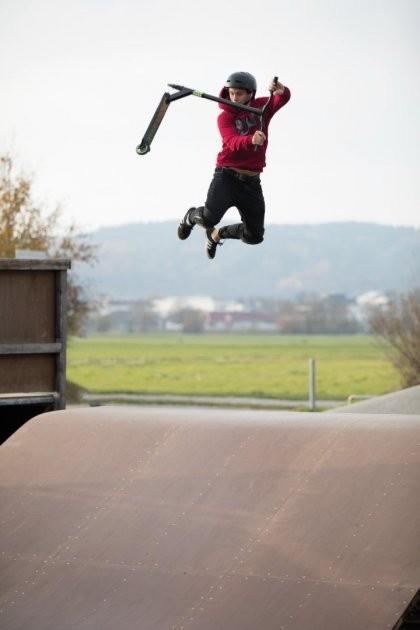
(142,260)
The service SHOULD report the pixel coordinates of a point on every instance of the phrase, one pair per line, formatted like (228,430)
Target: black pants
(227,189)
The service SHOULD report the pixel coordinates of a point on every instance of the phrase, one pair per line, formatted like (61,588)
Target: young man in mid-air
(236,180)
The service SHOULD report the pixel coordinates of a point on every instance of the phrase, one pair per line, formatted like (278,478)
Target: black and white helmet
(242,80)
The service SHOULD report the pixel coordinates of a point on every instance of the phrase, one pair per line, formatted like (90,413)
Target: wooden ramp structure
(33,339)
(168,518)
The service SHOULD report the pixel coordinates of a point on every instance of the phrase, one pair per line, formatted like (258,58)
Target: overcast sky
(80,81)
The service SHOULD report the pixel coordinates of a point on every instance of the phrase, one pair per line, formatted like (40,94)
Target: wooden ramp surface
(208,519)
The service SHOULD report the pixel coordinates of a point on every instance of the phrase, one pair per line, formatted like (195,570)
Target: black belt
(242,176)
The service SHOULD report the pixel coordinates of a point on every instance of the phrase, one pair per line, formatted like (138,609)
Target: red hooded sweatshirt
(237,128)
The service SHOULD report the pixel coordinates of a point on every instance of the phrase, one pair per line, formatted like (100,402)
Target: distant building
(372,298)
(237,321)
(364,304)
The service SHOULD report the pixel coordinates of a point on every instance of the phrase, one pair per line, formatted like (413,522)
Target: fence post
(312,387)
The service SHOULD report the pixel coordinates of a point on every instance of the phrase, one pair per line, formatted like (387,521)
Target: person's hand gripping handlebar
(259,136)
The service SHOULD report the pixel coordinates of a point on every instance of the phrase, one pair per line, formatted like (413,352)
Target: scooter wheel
(143,148)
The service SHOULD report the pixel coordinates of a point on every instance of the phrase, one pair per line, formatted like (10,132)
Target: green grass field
(270,366)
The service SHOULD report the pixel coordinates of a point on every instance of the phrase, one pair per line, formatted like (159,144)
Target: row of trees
(315,315)
(26,225)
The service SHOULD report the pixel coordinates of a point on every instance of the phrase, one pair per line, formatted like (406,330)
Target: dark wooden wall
(33,296)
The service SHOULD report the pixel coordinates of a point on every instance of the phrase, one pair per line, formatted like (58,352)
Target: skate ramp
(406,401)
(208,519)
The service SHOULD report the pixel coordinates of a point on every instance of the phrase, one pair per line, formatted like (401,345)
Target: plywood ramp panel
(172,518)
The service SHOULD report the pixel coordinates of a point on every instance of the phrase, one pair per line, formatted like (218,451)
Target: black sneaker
(211,245)
(185,227)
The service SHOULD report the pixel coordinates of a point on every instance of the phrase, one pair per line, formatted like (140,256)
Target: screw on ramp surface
(172,518)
